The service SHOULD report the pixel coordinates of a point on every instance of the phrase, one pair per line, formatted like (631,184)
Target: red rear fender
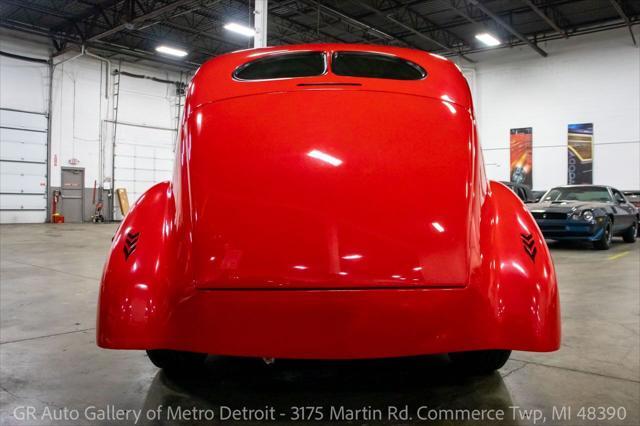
(516,279)
(147,271)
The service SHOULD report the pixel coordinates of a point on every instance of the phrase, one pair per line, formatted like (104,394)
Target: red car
(329,202)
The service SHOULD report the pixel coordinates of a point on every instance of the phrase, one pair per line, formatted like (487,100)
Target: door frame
(80,169)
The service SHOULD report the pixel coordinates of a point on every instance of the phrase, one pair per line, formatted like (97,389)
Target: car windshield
(587,193)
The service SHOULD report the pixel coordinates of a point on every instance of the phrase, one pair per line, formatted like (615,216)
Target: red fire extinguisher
(55,216)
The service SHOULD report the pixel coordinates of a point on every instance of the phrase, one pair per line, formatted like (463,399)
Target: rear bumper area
(336,324)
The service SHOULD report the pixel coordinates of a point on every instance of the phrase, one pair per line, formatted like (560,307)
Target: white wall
(587,79)
(594,78)
(80,108)
(23,138)
(23,85)
(81,112)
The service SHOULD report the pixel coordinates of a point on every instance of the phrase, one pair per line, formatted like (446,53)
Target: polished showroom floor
(49,285)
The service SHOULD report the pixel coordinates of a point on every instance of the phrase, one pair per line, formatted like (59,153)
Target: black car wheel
(176,360)
(630,234)
(604,243)
(480,362)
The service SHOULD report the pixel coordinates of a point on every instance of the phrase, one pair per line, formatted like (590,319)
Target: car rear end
(330,180)
(325,211)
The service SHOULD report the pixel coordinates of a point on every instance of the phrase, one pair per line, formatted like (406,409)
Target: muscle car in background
(301,222)
(586,212)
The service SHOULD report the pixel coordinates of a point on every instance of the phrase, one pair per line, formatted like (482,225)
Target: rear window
(307,64)
(371,65)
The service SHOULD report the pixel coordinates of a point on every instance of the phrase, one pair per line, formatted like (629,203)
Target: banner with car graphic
(521,147)
(580,154)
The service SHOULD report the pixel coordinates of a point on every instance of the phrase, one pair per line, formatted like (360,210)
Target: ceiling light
(488,39)
(171,51)
(240,29)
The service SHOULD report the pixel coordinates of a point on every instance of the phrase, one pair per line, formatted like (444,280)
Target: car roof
(583,186)
(444,80)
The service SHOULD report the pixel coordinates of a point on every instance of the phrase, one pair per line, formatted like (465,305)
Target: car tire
(630,234)
(604,243)
(176,360)
(480,362)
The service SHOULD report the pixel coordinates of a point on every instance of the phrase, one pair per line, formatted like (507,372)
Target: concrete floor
(48,358)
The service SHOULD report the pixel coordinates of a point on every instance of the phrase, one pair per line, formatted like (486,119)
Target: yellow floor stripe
(618,256)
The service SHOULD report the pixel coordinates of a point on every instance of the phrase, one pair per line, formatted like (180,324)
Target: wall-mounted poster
(580,147)
(521,147)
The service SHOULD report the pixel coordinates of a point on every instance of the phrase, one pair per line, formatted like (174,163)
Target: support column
(260,18)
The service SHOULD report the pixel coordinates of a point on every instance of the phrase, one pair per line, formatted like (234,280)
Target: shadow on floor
(374,384)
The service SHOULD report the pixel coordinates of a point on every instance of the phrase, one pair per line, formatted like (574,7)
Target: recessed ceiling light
(240,29)
(171,51)
(488,39)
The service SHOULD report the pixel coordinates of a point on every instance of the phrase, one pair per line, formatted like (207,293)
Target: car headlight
(587,215)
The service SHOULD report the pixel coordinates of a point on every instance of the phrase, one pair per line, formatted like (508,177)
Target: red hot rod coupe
(329,202)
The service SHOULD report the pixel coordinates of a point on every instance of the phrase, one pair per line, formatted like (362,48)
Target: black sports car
(586,212)
(522,191)
(537,195)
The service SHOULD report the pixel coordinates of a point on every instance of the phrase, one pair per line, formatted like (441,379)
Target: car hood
(564,206)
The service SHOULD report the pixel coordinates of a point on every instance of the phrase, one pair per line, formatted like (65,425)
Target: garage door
(23,166)
(143,156)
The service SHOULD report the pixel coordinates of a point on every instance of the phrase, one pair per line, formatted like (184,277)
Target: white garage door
(23,166)
(143,156)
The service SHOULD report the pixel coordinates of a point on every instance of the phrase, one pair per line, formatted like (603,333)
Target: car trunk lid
(330,189)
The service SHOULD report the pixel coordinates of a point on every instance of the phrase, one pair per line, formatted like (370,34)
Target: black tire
(480,362)
(604,243)
(630,234)
(176,360)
